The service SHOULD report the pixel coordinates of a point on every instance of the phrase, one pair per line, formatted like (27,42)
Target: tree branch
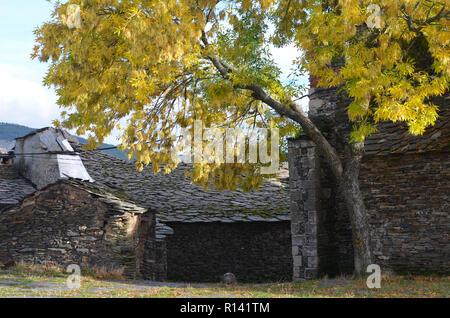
(316,91)
(410,22)
(295,113)
(291,110)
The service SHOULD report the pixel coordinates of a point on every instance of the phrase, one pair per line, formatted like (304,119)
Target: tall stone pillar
(304,178)
(321,230)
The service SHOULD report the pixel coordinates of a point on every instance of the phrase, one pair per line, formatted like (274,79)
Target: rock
(229,278)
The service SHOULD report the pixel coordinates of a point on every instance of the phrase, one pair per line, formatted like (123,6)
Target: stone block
(296,273)
(296,228)
(310,205)
(313,262)
(310,250)
(298,240)
(312,216)
(306,144)
(297,260)
(310,185)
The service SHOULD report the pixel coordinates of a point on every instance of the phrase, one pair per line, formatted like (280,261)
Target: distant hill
(8,132)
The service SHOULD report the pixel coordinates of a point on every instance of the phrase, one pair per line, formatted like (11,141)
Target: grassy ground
(49,282)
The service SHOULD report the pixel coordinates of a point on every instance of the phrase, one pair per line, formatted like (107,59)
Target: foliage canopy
(163,64)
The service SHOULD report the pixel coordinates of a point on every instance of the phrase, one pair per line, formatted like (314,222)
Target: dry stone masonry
(409,209)
(71,222)
(304,201)
(405,182)
(174,230)
(252,251)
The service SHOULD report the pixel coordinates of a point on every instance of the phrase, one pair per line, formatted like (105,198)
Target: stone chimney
(45,156)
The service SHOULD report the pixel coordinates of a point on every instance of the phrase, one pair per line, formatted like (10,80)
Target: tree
(163,64)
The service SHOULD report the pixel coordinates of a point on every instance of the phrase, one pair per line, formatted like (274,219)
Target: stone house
(203,234)
(295,226)
(58,215)
(176,230)
(405,181)
(74,222)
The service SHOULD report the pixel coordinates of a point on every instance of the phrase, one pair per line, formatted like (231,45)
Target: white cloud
(24,100)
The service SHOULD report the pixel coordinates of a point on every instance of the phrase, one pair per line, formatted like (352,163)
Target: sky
(24,99)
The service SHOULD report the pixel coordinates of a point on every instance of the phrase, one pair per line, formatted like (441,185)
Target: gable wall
(41,169)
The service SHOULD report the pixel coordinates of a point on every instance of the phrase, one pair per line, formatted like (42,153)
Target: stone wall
(8,171)
(253,251)
(63,224)
(304,179)
(321,231)
(407,198)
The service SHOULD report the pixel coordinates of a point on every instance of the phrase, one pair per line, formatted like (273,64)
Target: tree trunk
(349,187)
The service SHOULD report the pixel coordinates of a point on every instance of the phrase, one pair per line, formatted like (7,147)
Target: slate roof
(102,194)
(12,191)
(175,199)
(105,195)
(393,138)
